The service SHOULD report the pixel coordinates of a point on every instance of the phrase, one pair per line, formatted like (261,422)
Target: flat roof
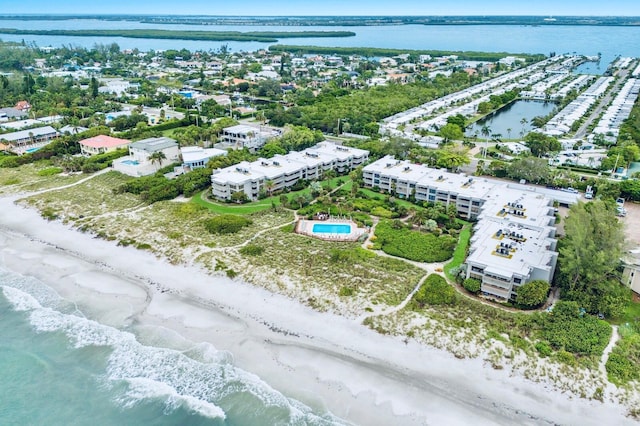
(196,153)
(154,144)
(531,250)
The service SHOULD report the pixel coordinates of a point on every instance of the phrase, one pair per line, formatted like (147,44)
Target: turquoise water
(331,228)
(31,150)
(59,368)
(131,162)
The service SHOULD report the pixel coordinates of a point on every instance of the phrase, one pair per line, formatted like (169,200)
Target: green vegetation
(397,239)
(435,291)
(567,329)
(532,294)
(472,285)
(587,274)
(251,250)
(622,365)
(261,36)
(371,52)
(460,252)
(226,224)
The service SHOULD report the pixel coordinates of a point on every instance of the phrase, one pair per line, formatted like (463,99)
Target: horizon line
(315,16)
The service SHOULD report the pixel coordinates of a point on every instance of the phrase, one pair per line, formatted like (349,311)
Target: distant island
(346,20)
(261,36)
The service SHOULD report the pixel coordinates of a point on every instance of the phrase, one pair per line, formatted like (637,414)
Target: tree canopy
(589,255)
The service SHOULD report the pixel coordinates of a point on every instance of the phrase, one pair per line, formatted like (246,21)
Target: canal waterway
(508,121)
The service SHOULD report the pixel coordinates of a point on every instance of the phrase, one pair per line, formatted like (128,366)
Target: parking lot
(632,224)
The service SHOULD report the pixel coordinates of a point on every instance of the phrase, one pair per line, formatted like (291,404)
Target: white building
(30,140)
(195,157)
(283,171)
(245,136)
(140,162)
(514,238)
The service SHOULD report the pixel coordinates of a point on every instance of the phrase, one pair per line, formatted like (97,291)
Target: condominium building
(514,236)
(283,171)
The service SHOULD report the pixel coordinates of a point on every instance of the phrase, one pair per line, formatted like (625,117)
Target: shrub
(413,245)
(50,171)
(533,293)
(346,291)
(472,285)
(543,349)
(252,250)
(226,224)
(435,291)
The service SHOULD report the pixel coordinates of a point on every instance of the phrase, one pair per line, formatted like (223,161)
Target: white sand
(325,361)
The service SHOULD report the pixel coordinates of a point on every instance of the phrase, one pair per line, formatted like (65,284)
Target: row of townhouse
(283,171)
(514,236)
(28,140)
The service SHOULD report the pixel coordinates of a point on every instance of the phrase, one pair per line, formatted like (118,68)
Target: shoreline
(323,360)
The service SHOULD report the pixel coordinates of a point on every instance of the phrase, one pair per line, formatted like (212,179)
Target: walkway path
(615,336)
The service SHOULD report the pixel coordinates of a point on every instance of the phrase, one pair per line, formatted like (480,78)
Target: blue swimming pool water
(131,162)
(331,228)
(30,150)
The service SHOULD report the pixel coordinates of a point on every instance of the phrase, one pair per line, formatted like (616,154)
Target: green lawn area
(399,201)
(255,206)
(460,252)
(631,314)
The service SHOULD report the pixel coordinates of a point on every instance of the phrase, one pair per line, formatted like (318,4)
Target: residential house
(30,140)
(245,136)
(140,161)
(195,157)
(101,144)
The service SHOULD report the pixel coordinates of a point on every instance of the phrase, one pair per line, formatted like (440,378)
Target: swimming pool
(131,162)
(30,150)
(331,228)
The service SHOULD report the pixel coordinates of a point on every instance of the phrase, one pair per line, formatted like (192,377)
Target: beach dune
(330,363)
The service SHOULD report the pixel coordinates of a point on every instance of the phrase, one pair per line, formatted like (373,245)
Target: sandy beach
(327,362)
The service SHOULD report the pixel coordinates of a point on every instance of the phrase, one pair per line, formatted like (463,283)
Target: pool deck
(305,227)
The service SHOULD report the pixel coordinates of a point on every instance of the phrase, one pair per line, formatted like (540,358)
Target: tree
(486,132)
(589,256)
(269,186)
(533,293)
(157,158)
(535,170)
(541,144)
(93,85)
(472,285)
(523,122)
(451,132)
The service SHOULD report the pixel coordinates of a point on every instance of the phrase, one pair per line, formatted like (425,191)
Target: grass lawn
(399,201)
(631,314)
(255,206)
(460,253)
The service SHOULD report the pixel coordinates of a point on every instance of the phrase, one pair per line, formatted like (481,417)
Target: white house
(140,162)
(245,136)
(195,157)
(30,140)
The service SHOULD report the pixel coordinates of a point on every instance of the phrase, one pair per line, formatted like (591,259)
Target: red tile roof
(103,141)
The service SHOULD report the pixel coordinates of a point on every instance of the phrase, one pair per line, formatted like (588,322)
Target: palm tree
(269,186)
(509,132)
(157,157)
(524,122)
(486,132)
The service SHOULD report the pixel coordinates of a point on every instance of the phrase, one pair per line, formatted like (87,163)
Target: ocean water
(59,368)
